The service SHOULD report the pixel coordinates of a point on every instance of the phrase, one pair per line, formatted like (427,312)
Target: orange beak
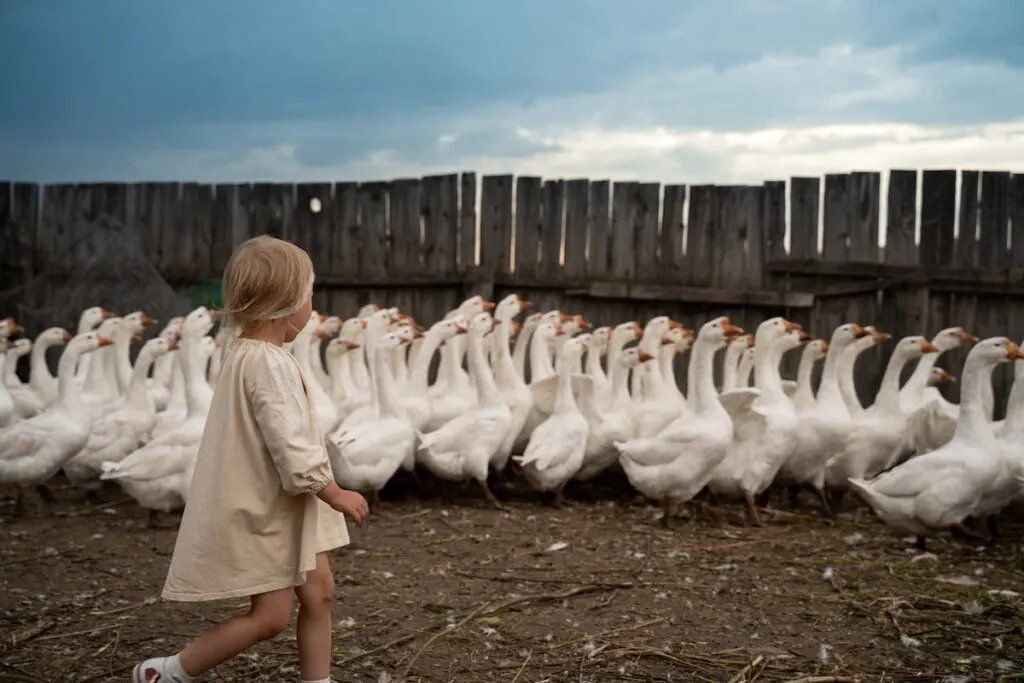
(730,330)
(859,331)
(674,324)
(523,305)
(362,322)
(583,323)
(16,328)
(172,345)
(643,356)
(147,321)
(879,336)
(665,341)
(459,329)
(750,340)
(804,337)
(928,347)
(516,326)
(105,341)
(216,315)
(559,332)
(688,335)
(66,336)
(104,314)
(790,325)
(824,346)
(488,305)
(323,334)
(350,344)
(136,337)
(562,317)
(637,330)
(967,338)
(1013,352)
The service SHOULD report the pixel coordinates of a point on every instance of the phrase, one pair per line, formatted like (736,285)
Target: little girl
(263,507)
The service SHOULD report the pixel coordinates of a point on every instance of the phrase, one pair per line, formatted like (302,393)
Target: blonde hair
(265,279)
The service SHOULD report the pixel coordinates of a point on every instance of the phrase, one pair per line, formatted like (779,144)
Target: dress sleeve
(274,390)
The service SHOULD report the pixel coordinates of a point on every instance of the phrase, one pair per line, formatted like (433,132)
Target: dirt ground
(435,591)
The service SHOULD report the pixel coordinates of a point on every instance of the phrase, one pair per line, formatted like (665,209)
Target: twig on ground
(126,608)
(443,632)
(603,634)
(30,632)
(523,667)
(743,673)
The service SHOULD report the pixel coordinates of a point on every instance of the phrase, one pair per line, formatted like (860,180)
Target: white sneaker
(152,671)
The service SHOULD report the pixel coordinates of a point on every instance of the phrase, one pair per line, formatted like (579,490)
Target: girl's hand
(352,504)
(346,502)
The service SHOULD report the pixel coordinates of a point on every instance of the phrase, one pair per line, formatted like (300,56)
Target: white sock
(172,667)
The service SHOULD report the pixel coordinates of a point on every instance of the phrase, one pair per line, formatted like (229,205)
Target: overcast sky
(663,90)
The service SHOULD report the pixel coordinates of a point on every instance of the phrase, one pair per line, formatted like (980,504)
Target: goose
(39,378)
(158,475)
(597,348)
(117,433)
(745,368)
(163,383)
(523,345)
(605,395)
(679,339)
(848,363)
(33,450)
(8,411)
(823,427)
(763,433)
(735,349)
(609,422)
(100,381)
(657,406)
(462,448)
(877,433)
(937,491)
(362,407)
(365,457)
(344,391)
(329,326)
(88,321)
(915,391)
(678,462)
(129,330)
(510,383)
(26,402)
(555,451)
(802,393)
(302,349)
(452,379)
(197,325)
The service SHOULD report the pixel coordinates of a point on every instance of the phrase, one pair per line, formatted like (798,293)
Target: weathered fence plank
(313,228)
(673,233)
(701,239)
(599,235)
(345,247)
(553,207)
(441,223)
(529,225)
(622,246)
(938,240)
(467,221)
(993,230)
(373,227)
(577,222)
(496,225)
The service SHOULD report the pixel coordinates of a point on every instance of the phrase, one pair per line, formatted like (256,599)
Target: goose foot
(921,543)
(20,507)
(793,494)
(374,498)
(753,517)
(666,515)
(489,495)
(46,494)
(559,500)
(825,506)
(835,502)
(156,520)
(704,508)
(994,532)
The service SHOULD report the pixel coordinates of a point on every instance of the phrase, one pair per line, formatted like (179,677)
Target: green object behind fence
(207,293)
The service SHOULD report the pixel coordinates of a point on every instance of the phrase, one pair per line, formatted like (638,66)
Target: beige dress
(253,523)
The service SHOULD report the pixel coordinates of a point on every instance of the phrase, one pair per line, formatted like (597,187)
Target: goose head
(626,332)
(718,332)
(816,349)
(878,336)
(136,322)
(159,346)
(352,328)
(546,332)
(9,328)
(93,316)
(658,326)
(392,340)
(510,307)
(197,323)
(88,341)
(634,357)
(109,327)
(17,349)
(340,346)
(531,321)
(474,305)
(481,323)
(368,310)
(913,347)
(791,339)
(55,336)
(599,340)
(331,325)
(173,327)
(572,349)
(452,326)
(937,376)
(951,338)
(773,328)
(995,350)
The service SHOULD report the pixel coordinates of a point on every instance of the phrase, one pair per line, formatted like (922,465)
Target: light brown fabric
(253,523)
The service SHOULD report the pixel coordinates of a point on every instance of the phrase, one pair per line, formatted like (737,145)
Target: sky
(729,91)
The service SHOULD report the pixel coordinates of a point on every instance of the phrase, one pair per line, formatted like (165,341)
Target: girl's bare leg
(269,614)
(313,629)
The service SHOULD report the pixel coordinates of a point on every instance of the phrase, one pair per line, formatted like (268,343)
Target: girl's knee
(318,591)
(271,616)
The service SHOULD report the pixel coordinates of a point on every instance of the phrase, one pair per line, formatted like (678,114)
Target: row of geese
(922,464)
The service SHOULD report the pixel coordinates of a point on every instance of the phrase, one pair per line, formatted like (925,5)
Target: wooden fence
(611,251)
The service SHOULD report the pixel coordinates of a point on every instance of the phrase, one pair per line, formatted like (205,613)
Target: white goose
(803,391)
(196,325)
(88,321)
(736,349)
(939,490)
(8,411)
(556,448)
(510,383)
(34,450)
(26,403)
(302,348)
(39,378)
(100,381)
(117,433)
(365,457)
(677,463)
(463,447)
